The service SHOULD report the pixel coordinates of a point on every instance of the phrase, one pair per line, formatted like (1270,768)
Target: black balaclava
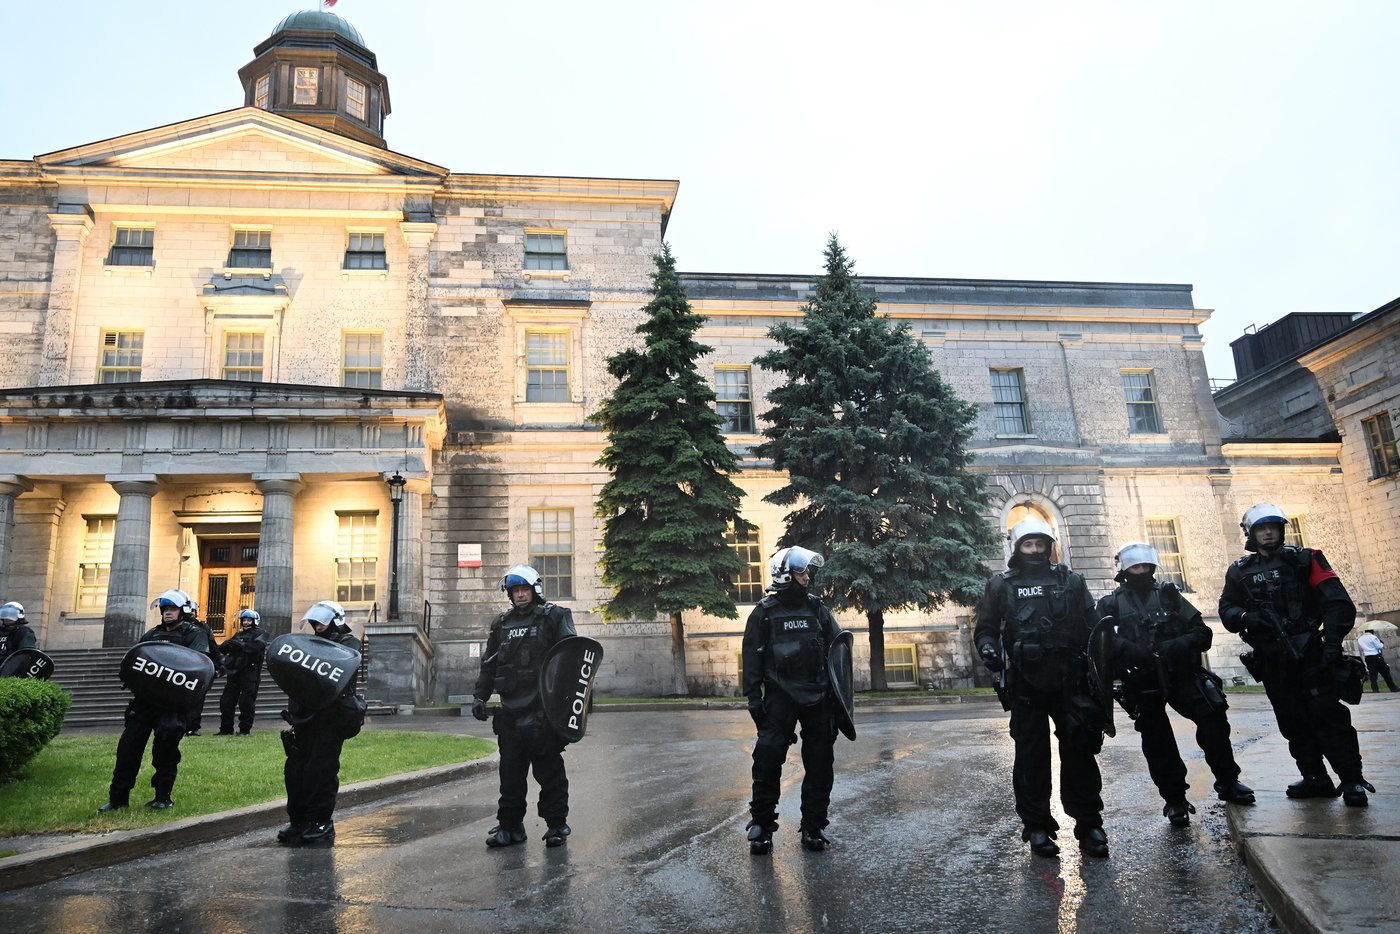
(1139,583)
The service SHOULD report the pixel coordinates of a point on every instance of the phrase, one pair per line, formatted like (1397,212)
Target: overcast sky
(1247,148)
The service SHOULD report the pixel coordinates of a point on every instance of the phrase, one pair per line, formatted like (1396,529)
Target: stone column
(128,576)
(273,597)
(10,487)
(418,235)
(411,545)
(71,231)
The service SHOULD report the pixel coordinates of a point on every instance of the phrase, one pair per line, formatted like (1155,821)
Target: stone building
(261,356)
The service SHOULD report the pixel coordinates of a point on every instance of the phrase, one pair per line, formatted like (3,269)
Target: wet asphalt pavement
(925,839)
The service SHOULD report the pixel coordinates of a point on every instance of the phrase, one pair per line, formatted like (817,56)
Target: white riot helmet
(179,600)
(327,613)
(12,612)
(1135,553)
(522,575)
(1256,515)
(1028,527)
(249,617)
(792,559)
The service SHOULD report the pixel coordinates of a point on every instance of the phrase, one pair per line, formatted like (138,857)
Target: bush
(31,713)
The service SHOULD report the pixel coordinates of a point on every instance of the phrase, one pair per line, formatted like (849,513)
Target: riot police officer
(15,633)
(243,654)
(1291,608)
(1160,640)
(313,744)
(515,647)
(177,613)
(786,642)
(1033,623)
(192,726)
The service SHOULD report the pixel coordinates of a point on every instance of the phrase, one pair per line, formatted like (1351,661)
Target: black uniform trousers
(241,691)
(1159,747)
(1032,712)
(1310,715)
(142,720)
(1376,666)
(312,770)
(781,715)
(526,742)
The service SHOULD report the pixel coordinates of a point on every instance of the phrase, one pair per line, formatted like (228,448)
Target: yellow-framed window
(99,534)
(901,664)
(551,550)
(132,246)
(306,86)
(747,586)
(356,98)
(364,249)
(362,360)
(1140,395)
(546,365)
(734,399)
(546,250)
(243,356)
(1164,534)
(356,556)
(120,356)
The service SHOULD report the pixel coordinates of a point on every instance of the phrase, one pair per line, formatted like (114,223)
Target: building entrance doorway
(228,579)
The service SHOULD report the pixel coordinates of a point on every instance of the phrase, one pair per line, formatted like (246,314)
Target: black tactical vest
(796,649)
(1041,630)
(1280,581)
(523,643)
(1148,619)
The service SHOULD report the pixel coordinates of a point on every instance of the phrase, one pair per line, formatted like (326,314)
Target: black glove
(756,711)
(1177,648)
(479,708)
(1332,654)
(991,658)
(1133,654)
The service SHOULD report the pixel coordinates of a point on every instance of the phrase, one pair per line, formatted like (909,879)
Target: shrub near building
(31,714)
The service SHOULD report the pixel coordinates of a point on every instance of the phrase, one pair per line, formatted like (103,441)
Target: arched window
(1034,506)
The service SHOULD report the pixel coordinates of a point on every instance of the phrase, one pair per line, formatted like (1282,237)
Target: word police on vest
(167,675)
(1037,591)
(313,671)
(27,663)
(566,684)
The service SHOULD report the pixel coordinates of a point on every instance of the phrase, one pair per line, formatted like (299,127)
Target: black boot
(814,840)
(1234,792)
(290,835)
(1313,786)
(557,835)
(322,834)
(1179,813)
(161,802)
(1092,842)
(1354,793)
(112,806)
(760,837)
(501,835)
(1041,843)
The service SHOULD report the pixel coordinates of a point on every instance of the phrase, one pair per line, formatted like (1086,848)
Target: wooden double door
(228,580)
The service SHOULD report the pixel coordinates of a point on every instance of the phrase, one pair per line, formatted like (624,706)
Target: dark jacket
(1295,588)
(244,651)
(1161,621)
(14,638)
(785,647)
(1040,618)
(515,649)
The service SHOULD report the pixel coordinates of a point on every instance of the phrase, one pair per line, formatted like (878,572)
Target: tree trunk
(679,684)
(876,618)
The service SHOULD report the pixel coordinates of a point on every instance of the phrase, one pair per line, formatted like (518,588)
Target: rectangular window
(1143,417)
(364,249)
(355,98)
(552,550)
(306,86)
(901,666)
(546,366)
(748,585)
(1293,532)
(261,91)
(545,250)
(1164,535)
(364,360)
(1009,402)
(132,246)
(1380,442)
(96,562)
(356,556)
(734,399)
(121,357)
(243,356)
(252,249)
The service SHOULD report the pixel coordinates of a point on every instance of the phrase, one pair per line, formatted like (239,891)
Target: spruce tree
(670,502)
(873,443)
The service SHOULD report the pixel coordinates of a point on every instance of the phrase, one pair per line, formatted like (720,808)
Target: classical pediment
(237,143)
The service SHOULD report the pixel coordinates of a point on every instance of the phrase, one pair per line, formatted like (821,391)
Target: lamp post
(396,485)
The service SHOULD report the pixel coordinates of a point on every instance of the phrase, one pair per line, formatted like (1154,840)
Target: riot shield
(313,671)
(1101,661)
(840,669)
(566,684)
(167,675)
(27,663)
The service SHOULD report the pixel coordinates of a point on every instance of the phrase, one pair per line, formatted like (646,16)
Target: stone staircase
(90,676)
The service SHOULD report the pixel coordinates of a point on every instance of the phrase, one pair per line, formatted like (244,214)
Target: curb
(1287,915)
(37,866)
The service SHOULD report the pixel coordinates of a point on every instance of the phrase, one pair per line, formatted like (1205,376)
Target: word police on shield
(313,671)
(167,675)
(566,684)
(27,663)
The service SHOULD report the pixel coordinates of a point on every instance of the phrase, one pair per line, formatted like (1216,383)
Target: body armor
(524,640)
(1042,633)
(797,649)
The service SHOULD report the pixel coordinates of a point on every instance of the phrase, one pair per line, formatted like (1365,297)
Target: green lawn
(64,785)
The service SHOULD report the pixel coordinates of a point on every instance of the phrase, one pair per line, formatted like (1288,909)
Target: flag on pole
(327,4)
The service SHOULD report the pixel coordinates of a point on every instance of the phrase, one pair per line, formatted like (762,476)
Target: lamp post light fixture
(396,485)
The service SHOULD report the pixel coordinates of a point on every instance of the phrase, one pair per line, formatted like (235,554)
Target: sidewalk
(1318,864)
